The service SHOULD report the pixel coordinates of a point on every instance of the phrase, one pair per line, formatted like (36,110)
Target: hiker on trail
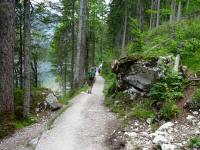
(91,78)
(100,68)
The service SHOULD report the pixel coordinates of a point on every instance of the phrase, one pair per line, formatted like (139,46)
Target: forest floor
(19,140)
(86,125)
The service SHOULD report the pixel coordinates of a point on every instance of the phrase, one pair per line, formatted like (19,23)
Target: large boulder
(52,101)
(135,75)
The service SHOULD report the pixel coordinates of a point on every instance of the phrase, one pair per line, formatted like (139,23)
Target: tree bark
(34,66)
(151,16)
(187,6)
(179,11)
(21,46)
(80,70)
(123,51)
(7,43)
(27,42)
(73,46)
(158,14)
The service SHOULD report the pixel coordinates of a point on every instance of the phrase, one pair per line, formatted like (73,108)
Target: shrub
(119,103)
(169,110)
(195,142)
(195,103)
(168,88)
(7,126)
(141,112)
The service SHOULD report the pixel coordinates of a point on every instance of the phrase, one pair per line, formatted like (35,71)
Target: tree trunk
(27,42)
(158,14)
(93,48)
(65,76)
(179,11)
(34,66)
(187,6)
(80,70)
(7,43)
(123,51)
(73,46)
(21,47)
(151,17)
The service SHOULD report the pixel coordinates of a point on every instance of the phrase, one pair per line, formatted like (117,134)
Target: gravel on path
(84,126)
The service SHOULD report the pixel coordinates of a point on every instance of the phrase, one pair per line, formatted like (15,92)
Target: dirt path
(84,126)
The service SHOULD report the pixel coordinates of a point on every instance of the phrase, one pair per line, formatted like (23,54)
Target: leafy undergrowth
(183,37)
(160,104)
(71,94)
(195,142)
(194,104)
(10,123)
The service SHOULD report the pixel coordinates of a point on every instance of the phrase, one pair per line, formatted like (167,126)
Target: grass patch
(142,111)
(71,94)
(119,104)
(9,123)
(195,102)
(195,142)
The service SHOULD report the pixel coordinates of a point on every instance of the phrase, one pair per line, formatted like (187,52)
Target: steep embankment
(166,98)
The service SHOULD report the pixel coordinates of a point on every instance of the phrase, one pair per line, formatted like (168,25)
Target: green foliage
(9,123)
(37,96)
(137,41)
(119,104)
(143,111)
(195,142)
(25,122)
(195,102)
(167,91)
(7,126)
(169,110)
(181,37)
(71,94)
(168,88)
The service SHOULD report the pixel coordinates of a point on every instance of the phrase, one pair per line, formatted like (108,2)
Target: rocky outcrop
(172,135)
(135,76)
(51,102)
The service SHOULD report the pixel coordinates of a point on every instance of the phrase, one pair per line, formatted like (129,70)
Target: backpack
(91,74)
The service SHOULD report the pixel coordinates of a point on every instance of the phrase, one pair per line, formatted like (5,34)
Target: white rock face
(190,117)
(149,120)
(50,99)
(166,126)
(168,147)
(159,140)
(195,113)
(33,143)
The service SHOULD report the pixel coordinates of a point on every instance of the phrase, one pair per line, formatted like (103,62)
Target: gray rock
(166,126)
(149,120)
(168,147)
(195,113)
(52,101)
(135,76)
(33,143)
(190,118)
(159,140)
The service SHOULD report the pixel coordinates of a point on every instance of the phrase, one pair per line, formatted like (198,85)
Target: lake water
(47,78)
